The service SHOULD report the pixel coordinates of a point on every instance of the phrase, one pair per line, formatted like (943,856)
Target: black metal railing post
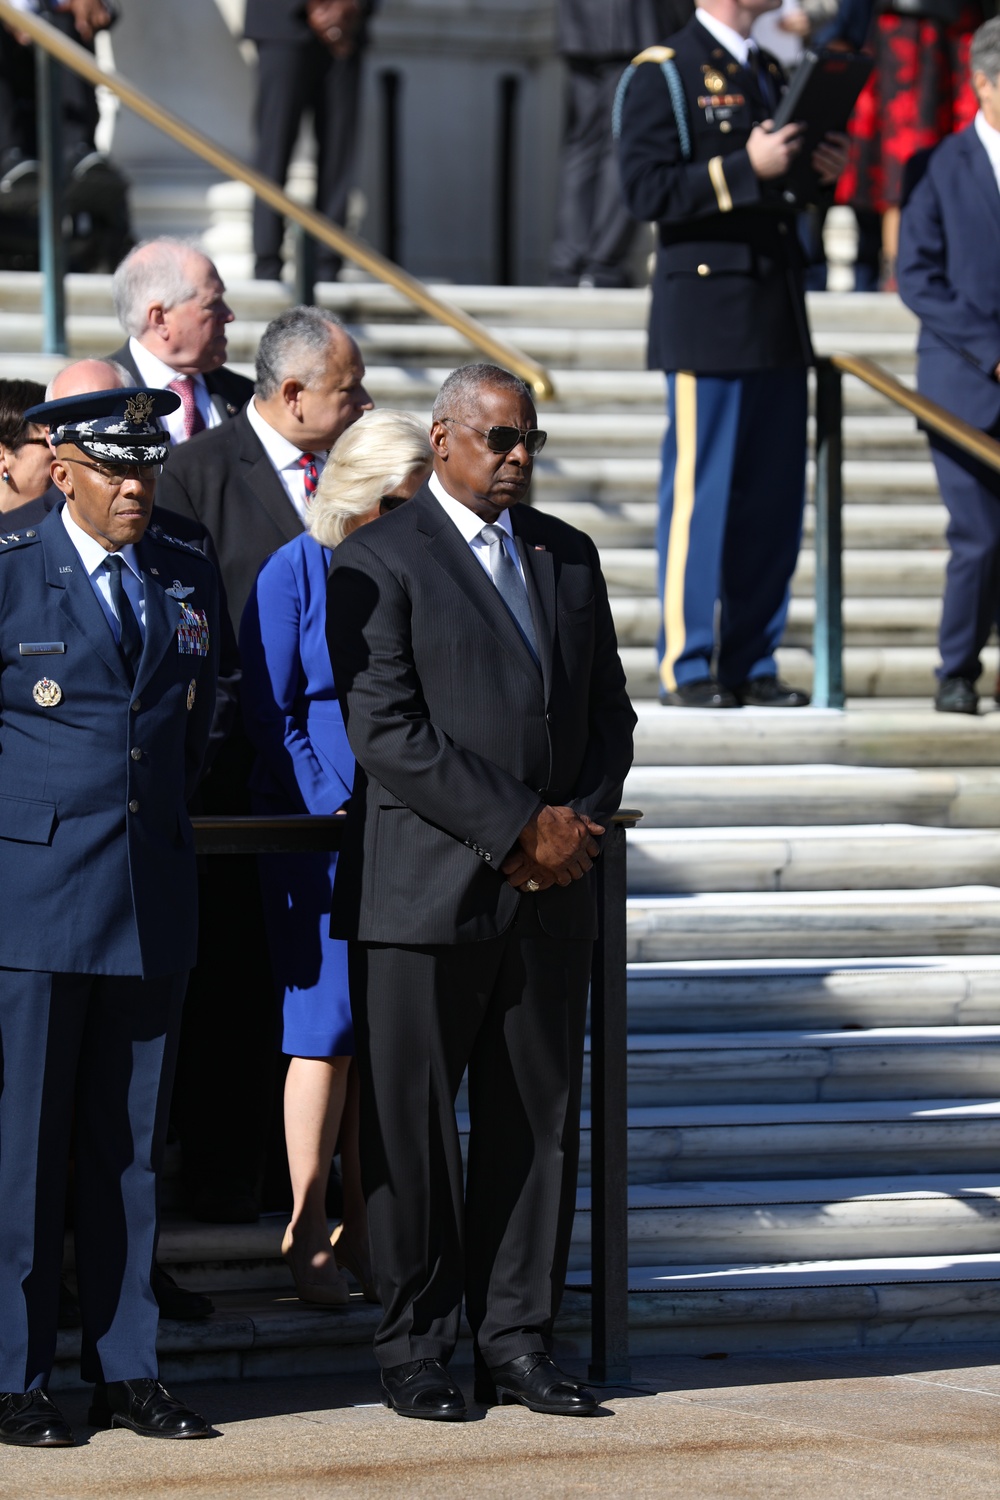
(828,631)
(51,244)
(609,1360)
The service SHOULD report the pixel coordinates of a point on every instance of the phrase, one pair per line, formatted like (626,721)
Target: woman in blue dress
(304,765)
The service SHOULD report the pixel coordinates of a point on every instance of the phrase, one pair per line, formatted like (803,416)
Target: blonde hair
(376,453)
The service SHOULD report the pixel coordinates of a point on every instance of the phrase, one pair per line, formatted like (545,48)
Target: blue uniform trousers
(971,493)
(732,490)
(92,1055)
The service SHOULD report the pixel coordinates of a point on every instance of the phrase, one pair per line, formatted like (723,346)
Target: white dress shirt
(93,557)
(155,374)
(285,459)
(990,138)
(737,46)
(471,527)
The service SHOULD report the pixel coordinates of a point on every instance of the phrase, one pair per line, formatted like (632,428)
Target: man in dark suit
(170,300)
(949,275)
(728,327)
(309,59)
(594,230)
(109,655)
(475,655)
(248,482)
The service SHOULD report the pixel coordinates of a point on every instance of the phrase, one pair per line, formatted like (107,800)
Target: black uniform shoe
(538,1384)
(147,1408)
(31,1420)
(176,1301)
(705,693)
(422,1388)
(770,692)
(956,695)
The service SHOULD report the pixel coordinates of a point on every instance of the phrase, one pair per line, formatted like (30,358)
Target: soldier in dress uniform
(109,634)
(698,155)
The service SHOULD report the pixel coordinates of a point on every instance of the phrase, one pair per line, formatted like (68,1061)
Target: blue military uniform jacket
(727,292)
(949,275)
(97,859)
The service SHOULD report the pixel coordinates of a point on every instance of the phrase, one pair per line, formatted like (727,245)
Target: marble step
(620,478)
(766,796)
(887,671)
(956,920)
(851,995)
(631,522)
(868,622)
(876,575)
(873,736)
(787,858)
(683,1228)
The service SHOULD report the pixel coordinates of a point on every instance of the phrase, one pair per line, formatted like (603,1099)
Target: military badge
(139,408)
(46,693)
(714,82)
(190,696)
(178,591)
(192,631)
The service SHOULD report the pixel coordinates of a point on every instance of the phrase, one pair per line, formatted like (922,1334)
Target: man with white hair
(170,300)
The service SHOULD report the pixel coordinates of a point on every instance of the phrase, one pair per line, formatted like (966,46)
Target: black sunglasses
(391,502)
(503,439)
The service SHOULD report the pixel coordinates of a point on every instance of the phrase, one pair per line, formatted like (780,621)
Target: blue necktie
(510,587)
(130,640)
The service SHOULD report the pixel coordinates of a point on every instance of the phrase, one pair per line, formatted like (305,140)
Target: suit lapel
(162,618)
(982,172)
(539,570)
(451,551)
(78,602)
(258,472)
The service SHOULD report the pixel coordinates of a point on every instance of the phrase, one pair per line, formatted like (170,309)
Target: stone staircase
(814,907)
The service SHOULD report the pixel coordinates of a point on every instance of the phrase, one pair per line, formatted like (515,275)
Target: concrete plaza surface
(863,1426)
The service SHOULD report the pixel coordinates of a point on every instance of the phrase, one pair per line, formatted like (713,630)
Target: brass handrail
(927,412)
(73,56)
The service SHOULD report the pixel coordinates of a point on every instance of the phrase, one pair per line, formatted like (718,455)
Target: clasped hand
(558,846)
(772,152)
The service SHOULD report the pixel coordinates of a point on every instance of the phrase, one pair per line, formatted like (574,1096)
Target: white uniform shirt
(93,557)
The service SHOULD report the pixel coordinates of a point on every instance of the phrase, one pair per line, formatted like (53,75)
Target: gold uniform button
(725,127)
(136,754)
(133,806)
(704,270)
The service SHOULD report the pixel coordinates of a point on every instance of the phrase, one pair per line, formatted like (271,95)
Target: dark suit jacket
(224,480)
(88,828)
(728,293)
(229,390)
(615,29)
(166,522)
(458,736)
(281,20)
(949,275)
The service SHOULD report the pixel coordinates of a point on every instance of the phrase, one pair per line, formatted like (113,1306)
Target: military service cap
(119,426)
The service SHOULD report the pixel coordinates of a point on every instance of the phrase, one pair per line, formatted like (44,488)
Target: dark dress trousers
(949,275)
(594,230)
(459,739)
(728,326)
(296,74)
(224,480)
(98,872)
(229,391)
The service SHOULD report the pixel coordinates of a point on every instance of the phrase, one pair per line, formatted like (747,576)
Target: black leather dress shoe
(770,692)
(147,1408)
(31,1420)
(705,693)
(422,1388)
(956,695)
(176,1301)
(538,1384)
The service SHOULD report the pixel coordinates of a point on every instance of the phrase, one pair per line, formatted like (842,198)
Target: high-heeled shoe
(348,1261)
(324,1287)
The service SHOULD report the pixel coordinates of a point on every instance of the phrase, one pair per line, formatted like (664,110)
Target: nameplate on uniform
(42,648)
(192,632)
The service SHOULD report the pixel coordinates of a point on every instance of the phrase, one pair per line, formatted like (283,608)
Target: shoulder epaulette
(654,54)
(11,540)
(159,535)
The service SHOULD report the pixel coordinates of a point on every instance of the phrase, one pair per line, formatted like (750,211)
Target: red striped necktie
(193,419)
(310,473)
